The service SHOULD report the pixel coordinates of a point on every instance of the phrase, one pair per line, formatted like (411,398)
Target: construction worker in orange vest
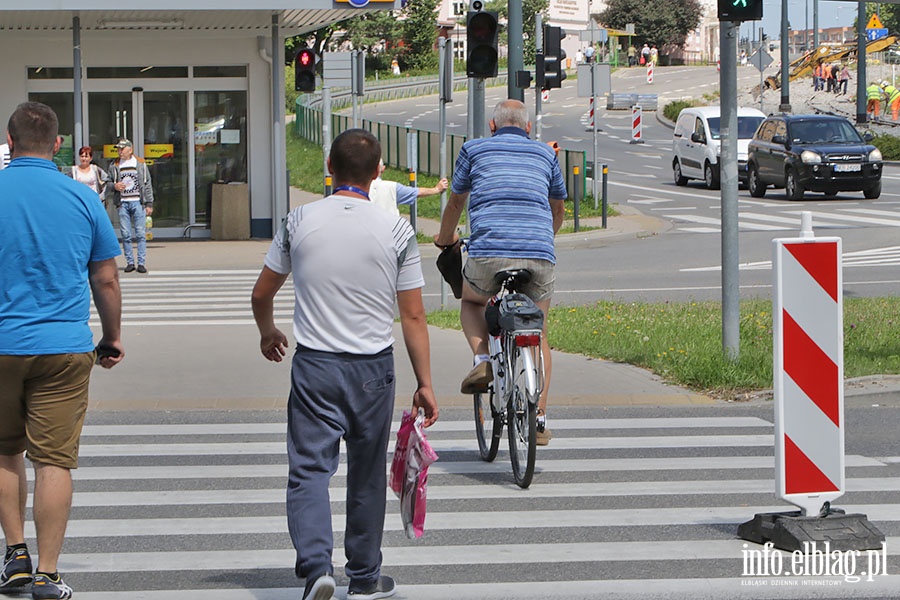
(893,98)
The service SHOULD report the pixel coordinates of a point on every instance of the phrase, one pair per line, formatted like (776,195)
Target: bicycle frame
(501,358)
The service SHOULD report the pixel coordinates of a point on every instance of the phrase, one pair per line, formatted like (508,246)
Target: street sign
(874,23)
(337,69)
(876,34)
(593,33)
(760,59)
(601,80)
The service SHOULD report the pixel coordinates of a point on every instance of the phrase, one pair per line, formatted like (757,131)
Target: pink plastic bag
(409,472)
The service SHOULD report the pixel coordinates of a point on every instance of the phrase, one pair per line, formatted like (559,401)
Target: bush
(671,110)
(889,145)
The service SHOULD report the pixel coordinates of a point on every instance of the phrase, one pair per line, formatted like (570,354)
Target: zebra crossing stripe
(471,492)
(452,521)
(496,554)
(620,589)
(718,223)
(194,429)
(847,216)
(442,467)
(440,445)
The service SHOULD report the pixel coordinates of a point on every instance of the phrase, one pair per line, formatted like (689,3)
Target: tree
(660,23)
(370,30)
(530,8)
(420,34)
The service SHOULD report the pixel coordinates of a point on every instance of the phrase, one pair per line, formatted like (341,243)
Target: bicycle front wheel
(487,446)
(521,416)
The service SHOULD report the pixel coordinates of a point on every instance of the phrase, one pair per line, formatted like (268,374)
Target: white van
(696,146)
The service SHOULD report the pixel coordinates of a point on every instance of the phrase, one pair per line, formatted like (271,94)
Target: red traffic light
(305,70)
(306,57)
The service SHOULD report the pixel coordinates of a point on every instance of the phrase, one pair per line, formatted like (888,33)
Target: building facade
(200,92)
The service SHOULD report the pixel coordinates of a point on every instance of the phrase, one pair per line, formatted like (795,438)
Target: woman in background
(88,173)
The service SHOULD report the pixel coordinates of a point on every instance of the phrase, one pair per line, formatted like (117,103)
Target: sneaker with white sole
(542,435)
(46,587)
(383,588)
(16,570)
(320,588)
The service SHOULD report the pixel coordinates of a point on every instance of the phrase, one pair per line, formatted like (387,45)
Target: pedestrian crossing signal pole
(731,14)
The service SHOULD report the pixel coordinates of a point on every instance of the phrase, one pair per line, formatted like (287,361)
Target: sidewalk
(222,368)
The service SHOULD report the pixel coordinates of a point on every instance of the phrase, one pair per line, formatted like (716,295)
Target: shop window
(232,71)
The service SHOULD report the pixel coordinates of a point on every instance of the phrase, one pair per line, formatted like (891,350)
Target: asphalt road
(640,177)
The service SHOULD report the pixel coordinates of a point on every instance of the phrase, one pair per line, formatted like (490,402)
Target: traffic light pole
(728,179)
(785,61)
(280,202)
(861,114)
(538,58)
(516,59)
(326,137)
(442,160)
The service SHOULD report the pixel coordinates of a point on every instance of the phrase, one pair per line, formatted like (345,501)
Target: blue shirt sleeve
(406,194)
(462,182)
(557,182)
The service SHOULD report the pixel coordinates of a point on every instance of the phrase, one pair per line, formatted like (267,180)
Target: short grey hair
(510,113)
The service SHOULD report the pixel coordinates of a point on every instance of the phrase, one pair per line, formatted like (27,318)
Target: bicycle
(515,324)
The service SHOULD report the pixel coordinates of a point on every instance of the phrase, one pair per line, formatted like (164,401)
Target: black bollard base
(789,530)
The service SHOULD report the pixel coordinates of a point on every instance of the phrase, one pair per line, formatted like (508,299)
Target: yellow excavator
(804,65)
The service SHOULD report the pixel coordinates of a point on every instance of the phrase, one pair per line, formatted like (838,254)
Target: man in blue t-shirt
(58,250)
(515,190)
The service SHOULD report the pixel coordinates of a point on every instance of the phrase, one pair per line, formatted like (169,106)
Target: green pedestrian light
(740,10)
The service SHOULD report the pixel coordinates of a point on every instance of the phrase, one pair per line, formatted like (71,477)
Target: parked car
(819,153)
(697,144)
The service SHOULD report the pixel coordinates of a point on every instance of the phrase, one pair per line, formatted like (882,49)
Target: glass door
(157,124)
(164,139)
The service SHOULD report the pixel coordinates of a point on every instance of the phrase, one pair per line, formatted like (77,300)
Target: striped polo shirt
(510,179)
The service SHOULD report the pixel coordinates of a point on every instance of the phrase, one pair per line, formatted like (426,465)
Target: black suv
(819,153)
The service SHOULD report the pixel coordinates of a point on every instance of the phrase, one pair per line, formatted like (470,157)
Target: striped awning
(292,21)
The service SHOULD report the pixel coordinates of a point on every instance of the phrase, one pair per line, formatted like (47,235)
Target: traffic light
(740,10)
(481,44)
(305,70)
(553,71)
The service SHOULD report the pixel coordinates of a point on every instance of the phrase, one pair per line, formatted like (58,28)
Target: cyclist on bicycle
(516,191)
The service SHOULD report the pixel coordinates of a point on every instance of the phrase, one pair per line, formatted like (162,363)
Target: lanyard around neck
(352,188)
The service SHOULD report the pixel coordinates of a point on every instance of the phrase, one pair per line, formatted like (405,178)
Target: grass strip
(682,341)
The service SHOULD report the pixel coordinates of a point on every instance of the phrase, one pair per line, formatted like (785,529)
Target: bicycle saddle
(514,277)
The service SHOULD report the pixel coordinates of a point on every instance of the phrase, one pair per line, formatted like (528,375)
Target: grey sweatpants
(335,396)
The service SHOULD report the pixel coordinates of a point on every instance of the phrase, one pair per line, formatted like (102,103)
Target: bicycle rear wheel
(487,446)
(521,417)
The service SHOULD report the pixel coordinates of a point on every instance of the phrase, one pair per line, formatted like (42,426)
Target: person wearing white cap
(133,196)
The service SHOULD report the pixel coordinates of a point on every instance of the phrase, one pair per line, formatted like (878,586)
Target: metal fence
(394,142)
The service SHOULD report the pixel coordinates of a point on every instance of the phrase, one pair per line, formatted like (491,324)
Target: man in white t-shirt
(4,155)
(350,262)
(388,195)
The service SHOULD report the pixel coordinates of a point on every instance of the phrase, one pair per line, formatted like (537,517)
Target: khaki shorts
(480,272)
(43,400)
